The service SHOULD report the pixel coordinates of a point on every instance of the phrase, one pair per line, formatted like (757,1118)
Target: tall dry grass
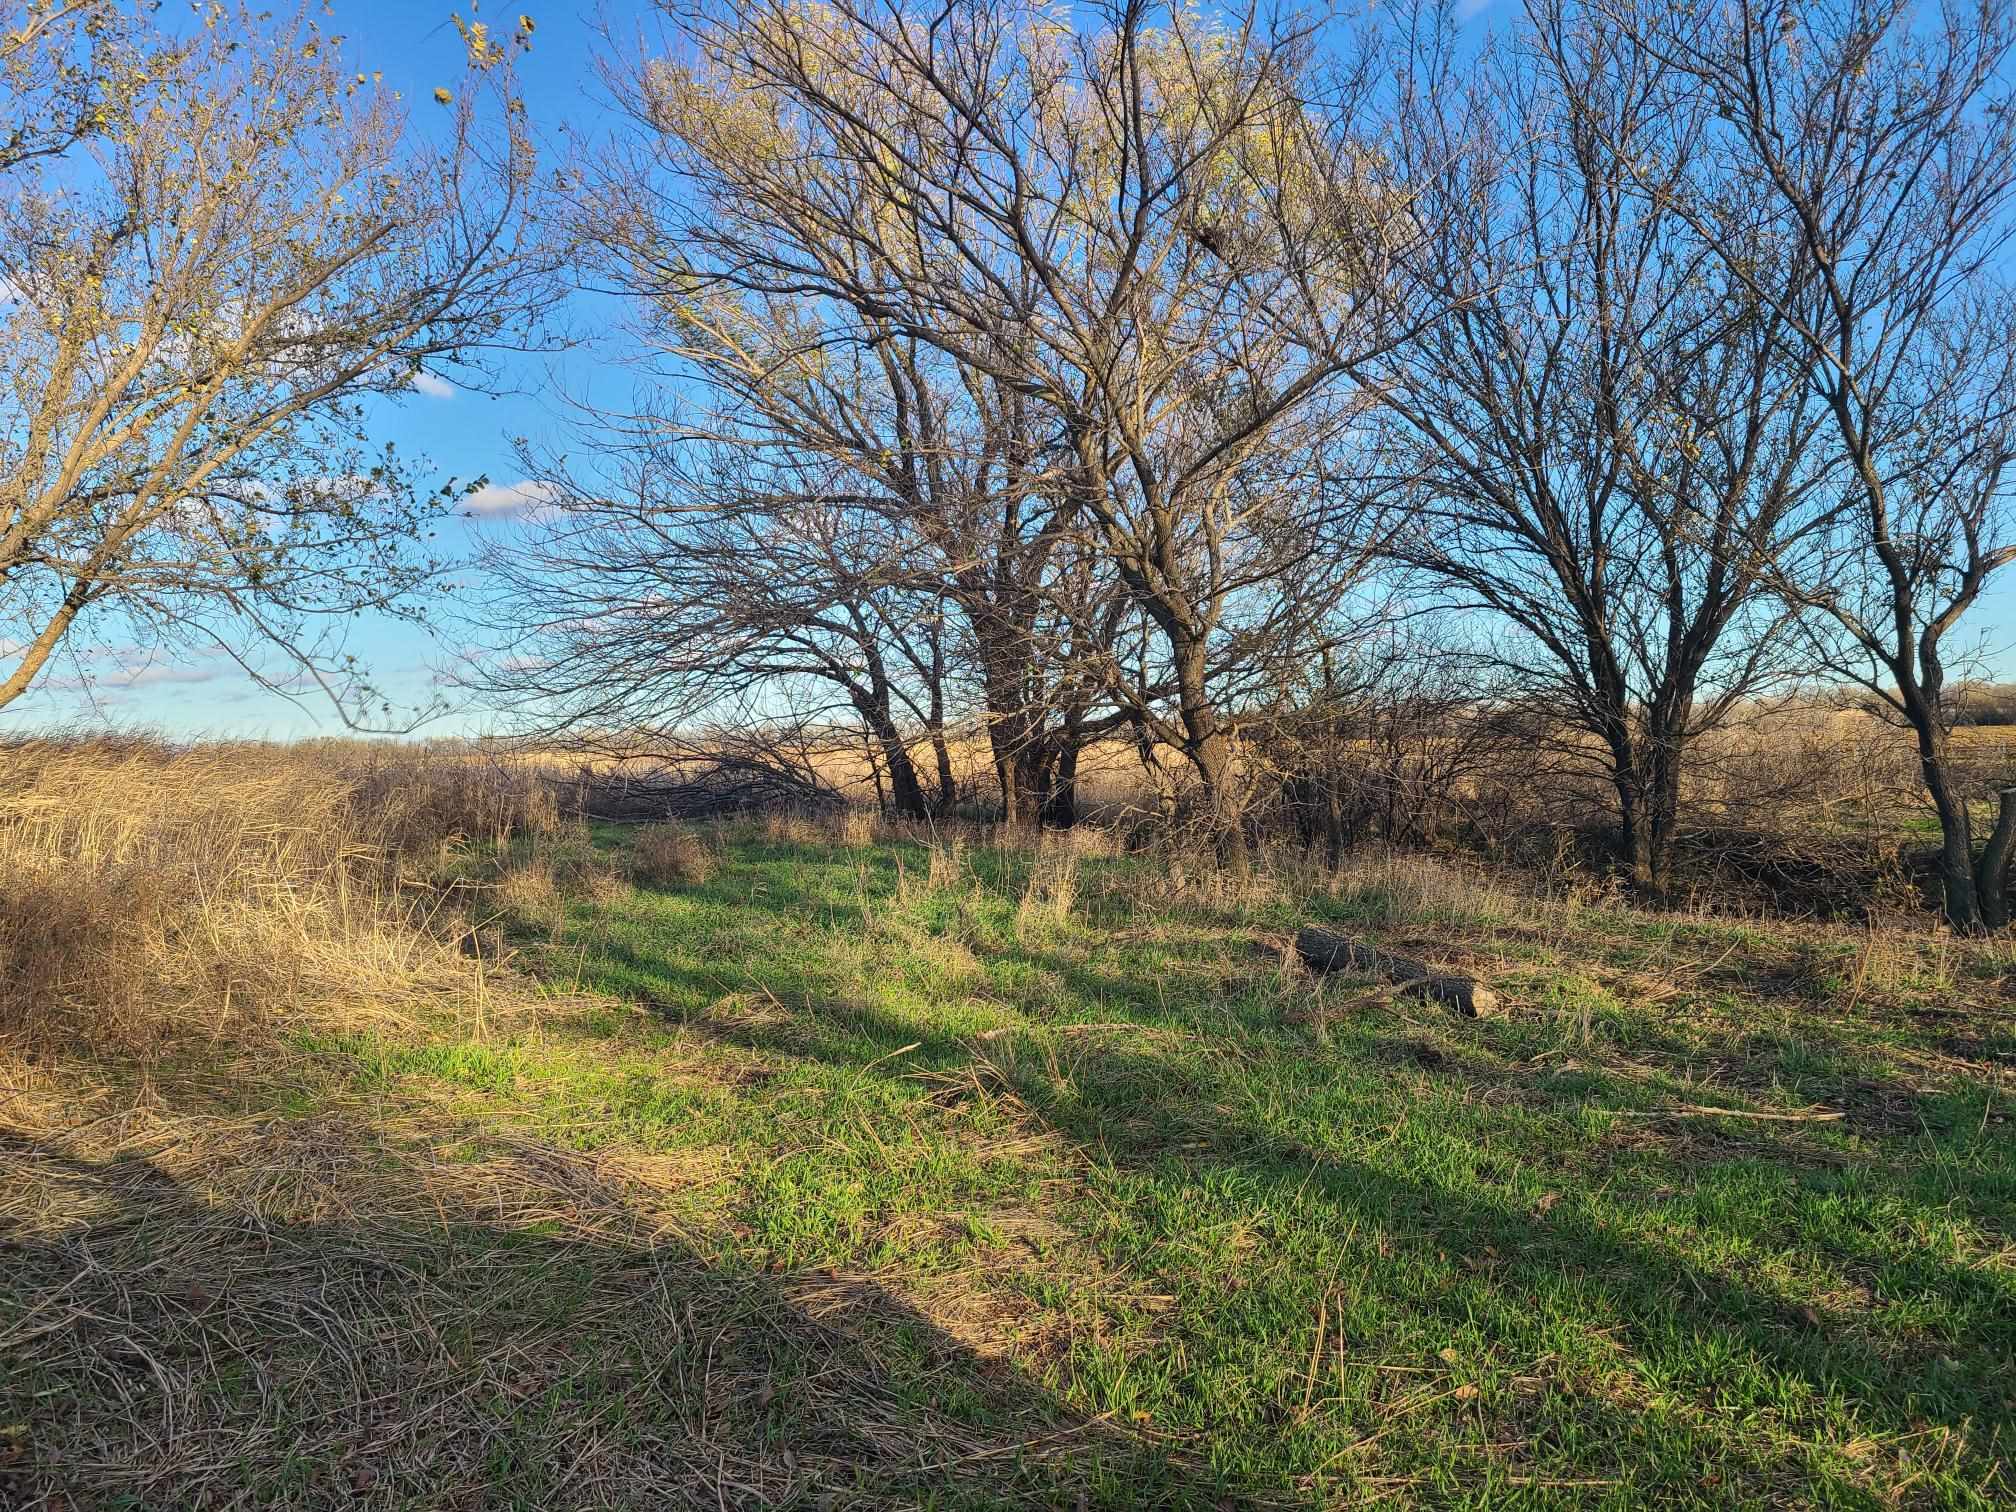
(149,891)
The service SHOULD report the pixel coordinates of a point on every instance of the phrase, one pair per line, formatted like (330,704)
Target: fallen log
(1326,950)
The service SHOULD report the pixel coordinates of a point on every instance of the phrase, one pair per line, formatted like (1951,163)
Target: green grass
(1065,1166)
(1519,1284)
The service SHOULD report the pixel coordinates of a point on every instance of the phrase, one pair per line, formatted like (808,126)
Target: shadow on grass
(1712,1343)
(323,1322)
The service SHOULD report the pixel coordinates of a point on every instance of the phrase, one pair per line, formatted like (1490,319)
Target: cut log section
(1326,950)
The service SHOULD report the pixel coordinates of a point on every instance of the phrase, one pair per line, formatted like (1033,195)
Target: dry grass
(1051,890)
(149,891)
(372,1308)
(590,1256)
(670,855)
(526,897)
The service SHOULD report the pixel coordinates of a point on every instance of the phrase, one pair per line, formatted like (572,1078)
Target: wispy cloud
(113,669)
(528,496)
(473,665)
(424,382)
(147,677)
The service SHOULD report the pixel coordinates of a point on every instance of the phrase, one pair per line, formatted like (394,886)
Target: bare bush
(1985,704)
(670,855)
(692,785)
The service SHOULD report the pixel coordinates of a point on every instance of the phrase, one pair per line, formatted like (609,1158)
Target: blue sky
(461,434)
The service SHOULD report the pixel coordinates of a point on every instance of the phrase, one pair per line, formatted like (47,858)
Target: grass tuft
(670,855)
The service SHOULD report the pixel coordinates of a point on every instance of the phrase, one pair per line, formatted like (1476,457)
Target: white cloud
(141,677)
(124,678)
(424,382)
(115,669)
(528,496)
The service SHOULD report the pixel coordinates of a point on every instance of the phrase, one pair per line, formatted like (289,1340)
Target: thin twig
(1698,1110)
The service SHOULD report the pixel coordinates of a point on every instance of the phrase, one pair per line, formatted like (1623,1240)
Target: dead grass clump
(527,899)
(576,867)
(1089,841)
(413,801)
(1392,887)
(601,885)
(794,829)
(1177,871)
(948,864)
(670,855)
(150,890)
(1052,889)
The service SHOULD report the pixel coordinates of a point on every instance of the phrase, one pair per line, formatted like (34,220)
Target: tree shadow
(1705,1338)
(310,1313)
(1491,1256)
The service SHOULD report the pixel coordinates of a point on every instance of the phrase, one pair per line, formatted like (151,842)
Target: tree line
(1142,373)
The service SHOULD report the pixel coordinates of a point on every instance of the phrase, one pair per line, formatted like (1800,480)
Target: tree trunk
(906,793)
(1210,753)
(948,786)
(875,769)
(1646,775)
(1002,619)
(1653,871)
(1634,843)
(1060,799)
(1956,829)
(1022,787)
(1011,793)
(1009,737)
(1213,760)
(1991,873)
(1330,793)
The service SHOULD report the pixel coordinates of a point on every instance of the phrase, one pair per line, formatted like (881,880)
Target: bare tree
(1859,182)
(1144,225)
(1599,442)
(767,416)
(674,585)
(198,287)
(952,463)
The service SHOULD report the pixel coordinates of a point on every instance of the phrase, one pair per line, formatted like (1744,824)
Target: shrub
(527,899)
(669,855)
(1988,704)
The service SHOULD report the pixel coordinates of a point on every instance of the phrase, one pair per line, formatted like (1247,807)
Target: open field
(1126,756)
(827,1165)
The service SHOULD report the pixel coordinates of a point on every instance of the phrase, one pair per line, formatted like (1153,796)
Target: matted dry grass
(363,1308)
(228,1277)
(239,1266)
(149,891)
